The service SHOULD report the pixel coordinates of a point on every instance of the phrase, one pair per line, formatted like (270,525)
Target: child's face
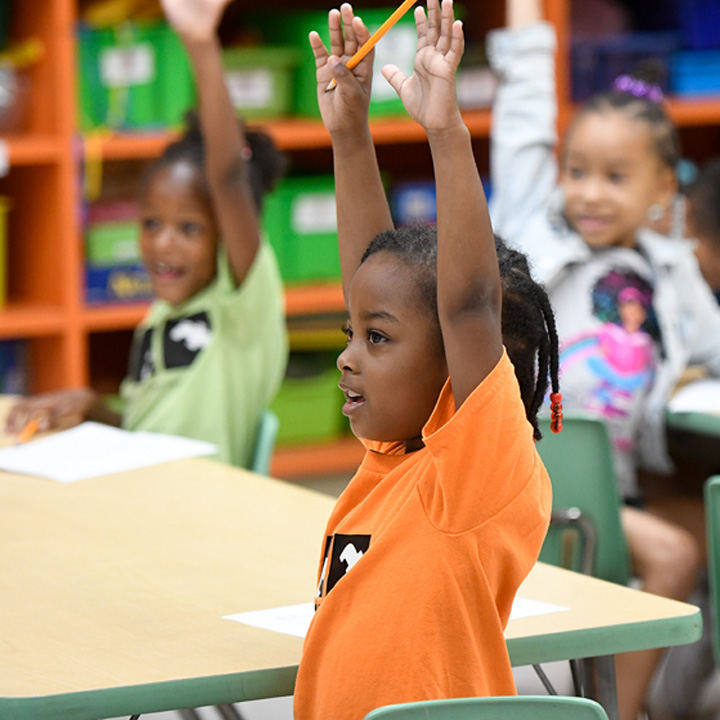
(394,366)
(611,175)
(178,237)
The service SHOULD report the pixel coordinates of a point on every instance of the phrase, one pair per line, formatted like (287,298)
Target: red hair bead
(556,412)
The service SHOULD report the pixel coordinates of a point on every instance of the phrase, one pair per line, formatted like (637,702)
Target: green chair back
(527,707)
(712,514)
(265,442)
(580,464)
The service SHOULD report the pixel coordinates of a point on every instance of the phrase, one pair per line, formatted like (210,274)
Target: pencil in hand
(372,41)
(31,427)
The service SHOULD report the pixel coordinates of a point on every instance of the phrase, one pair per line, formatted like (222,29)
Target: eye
(375,338)
(575,173)
(190,228)
(616,178)
(348,331)
(150,223)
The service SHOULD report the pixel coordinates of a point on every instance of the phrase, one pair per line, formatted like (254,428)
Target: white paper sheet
(295,619)
(701,396)
(92,449)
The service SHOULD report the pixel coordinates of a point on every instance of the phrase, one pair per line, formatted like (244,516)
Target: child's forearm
(225,148)
(362,206)
(467,262)
(523,12)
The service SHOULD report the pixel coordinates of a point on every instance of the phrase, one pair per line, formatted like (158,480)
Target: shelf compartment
(114,317)
(687,112)
(32,149)
(289,134)
(314,299)
(339,457)
(19,320)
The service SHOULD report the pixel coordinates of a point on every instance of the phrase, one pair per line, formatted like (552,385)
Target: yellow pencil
(28,431)
(373,39)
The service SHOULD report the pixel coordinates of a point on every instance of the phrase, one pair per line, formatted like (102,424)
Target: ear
(667,187)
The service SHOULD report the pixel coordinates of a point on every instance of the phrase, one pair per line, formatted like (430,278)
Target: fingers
(457,45)
(337,39)
(422,26)
(318,48)
(395,76)
(351,40)
(433,22)
(447,19)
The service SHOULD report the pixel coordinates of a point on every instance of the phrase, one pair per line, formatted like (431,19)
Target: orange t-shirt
(422,558)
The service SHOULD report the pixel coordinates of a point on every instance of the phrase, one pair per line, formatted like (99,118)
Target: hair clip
(639,88)
(556,412)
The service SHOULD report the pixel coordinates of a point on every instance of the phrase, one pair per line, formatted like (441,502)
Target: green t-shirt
(208,368)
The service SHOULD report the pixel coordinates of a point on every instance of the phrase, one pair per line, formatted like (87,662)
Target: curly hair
(265,163)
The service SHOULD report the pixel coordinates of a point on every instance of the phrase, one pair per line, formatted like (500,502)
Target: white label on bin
(397,47)
(4,158)
(314,214)
(123,67)
(250,88)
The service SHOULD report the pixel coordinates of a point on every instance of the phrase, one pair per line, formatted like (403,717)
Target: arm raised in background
(196,21)
(523,136)
(362,207)
(468,285)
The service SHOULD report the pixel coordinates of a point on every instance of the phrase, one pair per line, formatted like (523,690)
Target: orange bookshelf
(69,342)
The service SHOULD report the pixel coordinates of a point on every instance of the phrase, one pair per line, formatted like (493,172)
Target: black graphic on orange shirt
(341,554)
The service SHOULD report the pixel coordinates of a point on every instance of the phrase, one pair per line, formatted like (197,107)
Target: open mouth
(166,271)
(353,401)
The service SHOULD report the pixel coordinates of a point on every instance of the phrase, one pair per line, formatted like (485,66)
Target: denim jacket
(526,209)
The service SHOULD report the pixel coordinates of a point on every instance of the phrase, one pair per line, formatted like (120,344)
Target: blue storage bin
(118,283)
(596,63)
(414,202)
(696,72)
(700,23)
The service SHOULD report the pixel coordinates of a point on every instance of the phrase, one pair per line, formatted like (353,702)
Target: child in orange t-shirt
(425,549)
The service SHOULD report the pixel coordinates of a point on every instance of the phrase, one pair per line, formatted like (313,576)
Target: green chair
(528,707)
(712,515)
(585,530)
(265,442)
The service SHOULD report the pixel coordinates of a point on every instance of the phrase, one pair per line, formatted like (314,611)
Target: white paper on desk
(525,608)
(290,620)
(701,396)
(295,619)
(92,449)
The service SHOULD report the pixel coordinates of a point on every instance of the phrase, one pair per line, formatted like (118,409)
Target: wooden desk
(112,593)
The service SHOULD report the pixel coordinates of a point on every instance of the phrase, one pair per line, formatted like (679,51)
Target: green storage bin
(397,46)
(113,243)
(300,222)
(309,403)
(260,80)
(134,76)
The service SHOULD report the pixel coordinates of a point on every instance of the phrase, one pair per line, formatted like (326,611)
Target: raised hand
(429,93)
(346,107)
(194,20)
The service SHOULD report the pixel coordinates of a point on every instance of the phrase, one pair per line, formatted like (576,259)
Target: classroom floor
(528,683)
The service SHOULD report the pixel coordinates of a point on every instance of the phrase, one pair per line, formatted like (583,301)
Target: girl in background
(211,353)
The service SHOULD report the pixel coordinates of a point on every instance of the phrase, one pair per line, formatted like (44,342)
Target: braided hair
(528,323)
(265,163)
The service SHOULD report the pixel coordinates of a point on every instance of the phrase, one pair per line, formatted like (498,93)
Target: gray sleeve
(523,135)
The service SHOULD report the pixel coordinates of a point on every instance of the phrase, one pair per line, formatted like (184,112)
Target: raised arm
(196,22)
(468,285)
(362,207)
(523,136)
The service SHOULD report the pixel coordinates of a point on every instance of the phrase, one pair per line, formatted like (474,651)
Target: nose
(165,240)
(346,361)
(592,189)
